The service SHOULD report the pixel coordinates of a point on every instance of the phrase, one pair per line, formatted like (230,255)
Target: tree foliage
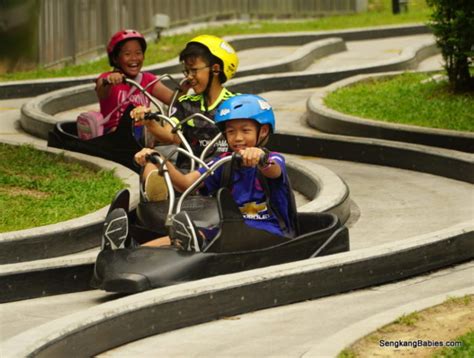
(452,22)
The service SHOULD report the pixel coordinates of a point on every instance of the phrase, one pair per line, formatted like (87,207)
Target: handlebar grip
(264,159)
(106,82)
(237,158)
(152,158)
(150,115)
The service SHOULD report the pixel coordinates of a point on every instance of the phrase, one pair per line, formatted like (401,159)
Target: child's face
(241,134)
(130,58)
(197,71)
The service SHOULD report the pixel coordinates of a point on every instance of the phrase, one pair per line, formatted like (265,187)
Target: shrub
(452,22)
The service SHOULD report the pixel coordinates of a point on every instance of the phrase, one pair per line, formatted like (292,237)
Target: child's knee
(147,169)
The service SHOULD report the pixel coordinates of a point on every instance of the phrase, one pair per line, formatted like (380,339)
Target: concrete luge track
(316,328)
(38,115)
(416,194)
(173,307)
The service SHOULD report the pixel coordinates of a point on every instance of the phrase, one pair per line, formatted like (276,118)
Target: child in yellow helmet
(208,62)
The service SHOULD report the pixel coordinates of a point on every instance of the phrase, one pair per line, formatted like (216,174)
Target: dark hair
(195,49)
(119,46)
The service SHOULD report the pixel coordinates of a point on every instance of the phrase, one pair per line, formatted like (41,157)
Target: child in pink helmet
(126,51)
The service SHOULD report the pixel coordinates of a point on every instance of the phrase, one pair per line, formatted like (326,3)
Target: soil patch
(416,334)
(17,191)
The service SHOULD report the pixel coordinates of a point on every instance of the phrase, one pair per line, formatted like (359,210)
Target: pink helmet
(121,36)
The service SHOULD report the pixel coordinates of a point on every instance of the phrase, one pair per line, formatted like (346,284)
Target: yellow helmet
(222,50)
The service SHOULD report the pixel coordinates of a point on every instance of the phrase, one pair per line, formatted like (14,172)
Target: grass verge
(410,98)
(378,14)
(464,351)
(423,334)
(39,188)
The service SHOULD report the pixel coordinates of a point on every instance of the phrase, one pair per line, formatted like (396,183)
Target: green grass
(169,46)
(408,320)
(347,353)
(467,348)
(463,300)
(465,351)
(39,188)
(433,318)
(407,99)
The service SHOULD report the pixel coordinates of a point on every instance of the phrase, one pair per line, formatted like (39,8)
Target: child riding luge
(246,121)
(209,62)
(126,53)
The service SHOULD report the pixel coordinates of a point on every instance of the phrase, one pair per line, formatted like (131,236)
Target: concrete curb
(327,120)
(18,281)
(174,307)
(37,115)
(244,42)
(409,59)
(30,88)
(327,191)
(437,161)
(331,346)
(298,60)
(47,277)
(69,236)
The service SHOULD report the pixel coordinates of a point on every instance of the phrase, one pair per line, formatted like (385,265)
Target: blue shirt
(250,197)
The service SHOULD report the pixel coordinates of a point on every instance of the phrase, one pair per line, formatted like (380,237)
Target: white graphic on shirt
(254,211)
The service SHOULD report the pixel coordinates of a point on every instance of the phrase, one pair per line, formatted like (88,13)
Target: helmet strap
(261,141)
(207,90)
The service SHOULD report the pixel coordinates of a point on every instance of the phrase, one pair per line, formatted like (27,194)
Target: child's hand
(251,156)
(141,157)
(115,78)
(138,114)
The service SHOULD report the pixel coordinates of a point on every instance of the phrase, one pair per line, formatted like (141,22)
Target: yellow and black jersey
(197,131)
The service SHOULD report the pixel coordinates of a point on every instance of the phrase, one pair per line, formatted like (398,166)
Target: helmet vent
(238,106)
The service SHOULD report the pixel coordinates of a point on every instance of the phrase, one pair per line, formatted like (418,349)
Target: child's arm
(251,158)
(180,181)
(163,93)
(162,133)
(103,85)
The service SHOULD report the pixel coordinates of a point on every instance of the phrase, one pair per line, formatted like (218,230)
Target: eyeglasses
(193,71)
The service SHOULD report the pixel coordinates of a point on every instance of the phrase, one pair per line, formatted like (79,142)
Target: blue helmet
(245,106)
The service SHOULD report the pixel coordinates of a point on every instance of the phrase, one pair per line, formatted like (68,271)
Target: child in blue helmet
(246,121)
